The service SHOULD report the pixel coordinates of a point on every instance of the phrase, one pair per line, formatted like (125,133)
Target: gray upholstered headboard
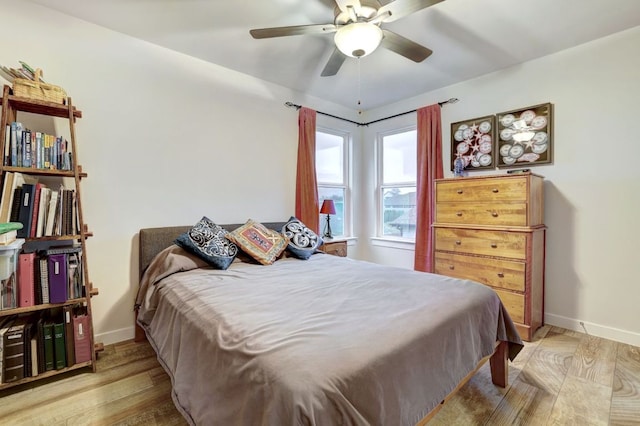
(154,240)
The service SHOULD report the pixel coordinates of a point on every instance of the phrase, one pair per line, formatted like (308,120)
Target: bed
(323,341)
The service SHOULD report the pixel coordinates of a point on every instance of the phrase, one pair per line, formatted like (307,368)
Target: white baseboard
(598,330)
(115,336)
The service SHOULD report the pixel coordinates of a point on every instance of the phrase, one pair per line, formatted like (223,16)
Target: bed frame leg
(499,365)
(139,334)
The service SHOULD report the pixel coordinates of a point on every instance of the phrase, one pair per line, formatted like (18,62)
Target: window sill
(393,243)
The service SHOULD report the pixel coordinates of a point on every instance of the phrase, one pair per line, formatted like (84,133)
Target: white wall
(592,190)
(165,138)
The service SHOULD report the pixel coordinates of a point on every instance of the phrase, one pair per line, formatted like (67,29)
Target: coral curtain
(429,163)
(307,205)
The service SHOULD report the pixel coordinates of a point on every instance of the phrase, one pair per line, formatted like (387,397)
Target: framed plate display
(525,136)
(473,142)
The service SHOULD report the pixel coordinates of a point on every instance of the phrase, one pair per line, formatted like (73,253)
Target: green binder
(47,335)
(60,354)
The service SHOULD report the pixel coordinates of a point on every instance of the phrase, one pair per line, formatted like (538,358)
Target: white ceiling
(469,38)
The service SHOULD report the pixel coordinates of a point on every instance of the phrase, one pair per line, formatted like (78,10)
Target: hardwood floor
(561,378)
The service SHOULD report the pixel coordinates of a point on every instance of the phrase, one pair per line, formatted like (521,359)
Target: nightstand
(335,247)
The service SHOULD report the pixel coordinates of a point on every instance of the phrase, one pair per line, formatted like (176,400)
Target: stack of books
(24,71)
(9,232)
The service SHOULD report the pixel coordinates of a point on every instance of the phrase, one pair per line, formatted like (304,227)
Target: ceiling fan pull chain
(359,84)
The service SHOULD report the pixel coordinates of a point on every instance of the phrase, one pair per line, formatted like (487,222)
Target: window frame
(381,186)
(346,179)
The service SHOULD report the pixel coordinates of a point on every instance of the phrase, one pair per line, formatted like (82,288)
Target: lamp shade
(328,207)
(358,39)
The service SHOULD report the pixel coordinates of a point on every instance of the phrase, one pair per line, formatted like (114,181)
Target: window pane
(399,157)
(329,158)
(399,212)
(336,220)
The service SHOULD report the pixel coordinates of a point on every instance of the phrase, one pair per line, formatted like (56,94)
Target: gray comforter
(327,341)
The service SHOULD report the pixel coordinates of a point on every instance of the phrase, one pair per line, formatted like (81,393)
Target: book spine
(47,330)
(44,279)
(26,209)
(60,356)
(57,265)
(14,354)
(82,341)
(26,279)
(67,311)
(34,210)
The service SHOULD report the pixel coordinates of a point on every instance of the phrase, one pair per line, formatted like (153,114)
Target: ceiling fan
(357,30)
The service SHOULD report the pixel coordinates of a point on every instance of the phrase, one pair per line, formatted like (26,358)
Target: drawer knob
(459,214)
(500,274)
(494,245)
(458,242)
(495,190)
(494,214)
(460,191)
(451,267)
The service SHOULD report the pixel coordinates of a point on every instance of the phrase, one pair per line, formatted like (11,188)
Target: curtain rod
(441,103)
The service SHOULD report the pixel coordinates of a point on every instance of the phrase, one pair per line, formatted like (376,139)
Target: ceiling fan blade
(344,4)
(294,30)
(402,8)
(405,47)
(333,64)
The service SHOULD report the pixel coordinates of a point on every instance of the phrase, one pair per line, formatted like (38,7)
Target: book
(13,354)
(67,312)
(5,203)
(45,195)
(74,273)
(81,339)
(47,337)
(34,210)
(44,278)
(51,214)
(7,143)
(16,132)
(27,347)
(26,289)
(5,323)
(26,209)
(57,266)
(34,355)
(59,351)
(8,237)
(40,340)
(15,205)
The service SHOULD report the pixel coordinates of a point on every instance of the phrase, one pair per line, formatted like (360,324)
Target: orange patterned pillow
(263,244)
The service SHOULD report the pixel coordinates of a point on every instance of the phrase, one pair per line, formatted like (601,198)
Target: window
(397,184)
(332,173)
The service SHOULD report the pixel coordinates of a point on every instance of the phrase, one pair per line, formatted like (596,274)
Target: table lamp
(328,208)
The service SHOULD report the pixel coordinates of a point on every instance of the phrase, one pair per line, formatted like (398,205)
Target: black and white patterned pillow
(303,242)
(207,241)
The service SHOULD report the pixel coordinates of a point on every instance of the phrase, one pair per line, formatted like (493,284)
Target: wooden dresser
(490,229)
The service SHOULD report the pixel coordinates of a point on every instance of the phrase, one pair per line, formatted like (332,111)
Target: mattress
(326,341)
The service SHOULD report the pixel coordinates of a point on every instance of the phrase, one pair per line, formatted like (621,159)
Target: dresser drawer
(514,304)
(335,248)
(488,243)
(512,188)
(493,214)
(501,274)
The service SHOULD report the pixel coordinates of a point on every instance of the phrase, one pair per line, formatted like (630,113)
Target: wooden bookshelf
(12,106)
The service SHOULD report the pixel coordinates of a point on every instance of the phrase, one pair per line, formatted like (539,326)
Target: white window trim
(380,185)
(347,178)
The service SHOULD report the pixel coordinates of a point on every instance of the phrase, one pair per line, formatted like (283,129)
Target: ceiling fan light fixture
(358,39)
